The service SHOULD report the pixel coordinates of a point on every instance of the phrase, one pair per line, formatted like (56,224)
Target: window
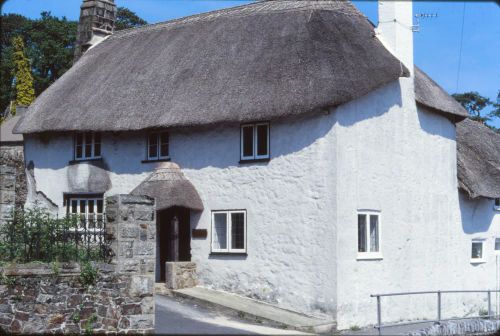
(89,210)
(158,146)
(229,231)
(477,251)
(87,146)
(497,204)
(497,245)
(255,141)
(369,234)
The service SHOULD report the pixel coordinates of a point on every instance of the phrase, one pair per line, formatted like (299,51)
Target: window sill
(369,256)
(155,160)
(229,253)
(477,261)
(85,160)
(254,160)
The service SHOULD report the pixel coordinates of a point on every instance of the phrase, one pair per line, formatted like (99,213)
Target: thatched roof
(168,185)
(254,62)
(7,135)
(430,94)
(478,158)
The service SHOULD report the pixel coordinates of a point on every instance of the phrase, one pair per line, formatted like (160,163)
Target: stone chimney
(97,21)
(395,29)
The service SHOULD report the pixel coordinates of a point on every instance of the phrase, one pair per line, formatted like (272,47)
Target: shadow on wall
(436,124)
(476,214)
(371,105)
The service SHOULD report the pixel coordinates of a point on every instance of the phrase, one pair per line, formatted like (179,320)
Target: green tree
(25,93)
(474,103)
(51,43)
(125,19)
(496,107)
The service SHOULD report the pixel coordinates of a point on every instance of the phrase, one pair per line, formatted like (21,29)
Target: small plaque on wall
(200,233)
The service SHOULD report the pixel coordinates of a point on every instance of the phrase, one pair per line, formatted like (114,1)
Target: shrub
(34,235)
(88,274)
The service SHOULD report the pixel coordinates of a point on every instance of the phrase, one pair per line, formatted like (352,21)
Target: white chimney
(395,21)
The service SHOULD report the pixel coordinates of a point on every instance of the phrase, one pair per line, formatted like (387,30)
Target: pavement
(256,310)
(388,331)
(180,316)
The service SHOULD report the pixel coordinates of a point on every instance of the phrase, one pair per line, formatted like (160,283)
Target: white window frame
(369,255)
(228,248)
(158,155)
(254,155)
(92,147)
(495,206)
(79,199)
(483,250)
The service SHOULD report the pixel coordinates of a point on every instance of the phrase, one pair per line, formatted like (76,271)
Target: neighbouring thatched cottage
(304,158)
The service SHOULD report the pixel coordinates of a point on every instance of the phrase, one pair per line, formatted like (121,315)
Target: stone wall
(35,299)
(43,298)
(180,275)
(12,180)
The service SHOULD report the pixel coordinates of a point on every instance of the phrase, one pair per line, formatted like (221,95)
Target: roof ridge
(124,32)
(215,13)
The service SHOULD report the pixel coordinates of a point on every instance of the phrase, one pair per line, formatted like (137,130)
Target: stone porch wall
(13,188)
(46,298)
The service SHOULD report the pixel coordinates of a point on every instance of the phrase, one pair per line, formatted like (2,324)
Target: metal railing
(32,236)
(439,294)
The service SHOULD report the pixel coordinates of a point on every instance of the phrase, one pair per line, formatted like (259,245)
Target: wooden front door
(174,236)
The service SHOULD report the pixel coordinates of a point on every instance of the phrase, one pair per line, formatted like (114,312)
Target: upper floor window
(90,211)
(87,145)
(255,141)
(158,146)
(368,234)
(497,204)
(229,231)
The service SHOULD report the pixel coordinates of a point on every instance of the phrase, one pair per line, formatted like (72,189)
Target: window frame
(255,156)
(83,145)
(228,249)
(369,255)
(158,136)
(86,198)
(495,202)
(478,260)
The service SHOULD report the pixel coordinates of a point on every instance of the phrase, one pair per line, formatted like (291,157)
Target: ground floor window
(477,251)
(90,211)
(368,233)
(229,231)
(497,204)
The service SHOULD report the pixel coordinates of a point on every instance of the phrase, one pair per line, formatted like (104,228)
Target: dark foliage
(126,19)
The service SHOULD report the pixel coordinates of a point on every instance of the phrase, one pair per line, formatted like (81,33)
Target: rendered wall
(289,202)
(401,161)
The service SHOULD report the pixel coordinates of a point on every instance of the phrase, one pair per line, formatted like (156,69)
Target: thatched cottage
(307,161)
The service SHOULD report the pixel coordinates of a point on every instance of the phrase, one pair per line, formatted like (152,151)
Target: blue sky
(437,45)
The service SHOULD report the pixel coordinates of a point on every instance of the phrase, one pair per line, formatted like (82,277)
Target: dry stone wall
(43,298)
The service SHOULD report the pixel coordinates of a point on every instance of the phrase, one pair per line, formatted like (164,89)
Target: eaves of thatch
(260,61)
(478,159)
(429,94)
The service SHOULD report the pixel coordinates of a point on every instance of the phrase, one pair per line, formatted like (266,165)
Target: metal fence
(439,295)
(37,236)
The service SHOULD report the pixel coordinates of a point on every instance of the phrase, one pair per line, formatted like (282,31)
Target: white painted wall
(401,161)
(377,152)
(289,202)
